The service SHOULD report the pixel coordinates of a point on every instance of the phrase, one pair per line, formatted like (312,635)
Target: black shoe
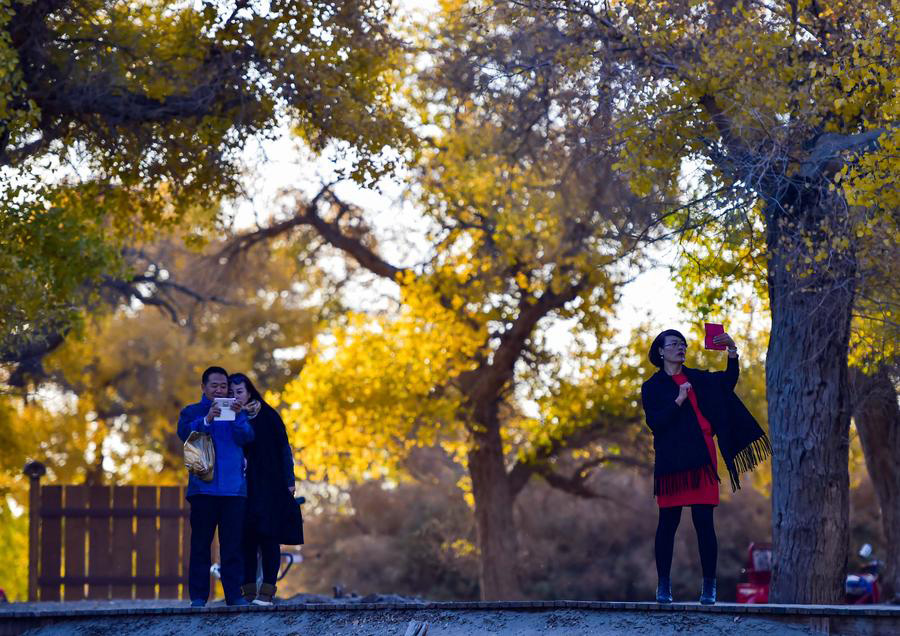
(708,595)
(664,590)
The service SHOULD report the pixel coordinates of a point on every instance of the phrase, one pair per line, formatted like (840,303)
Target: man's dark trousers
(207,513)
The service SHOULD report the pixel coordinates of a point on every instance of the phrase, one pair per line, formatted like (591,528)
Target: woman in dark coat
(685,408)
(273,517)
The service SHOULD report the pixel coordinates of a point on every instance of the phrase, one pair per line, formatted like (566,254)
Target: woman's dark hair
(659,341)
(240,378)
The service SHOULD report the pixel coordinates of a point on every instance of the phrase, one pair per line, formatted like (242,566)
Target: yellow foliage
(368,390)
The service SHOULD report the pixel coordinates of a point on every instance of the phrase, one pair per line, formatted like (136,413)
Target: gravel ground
(87,605)
(399,616)
(439,623)
(156,604)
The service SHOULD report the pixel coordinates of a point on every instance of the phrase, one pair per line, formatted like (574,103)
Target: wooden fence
(106,542)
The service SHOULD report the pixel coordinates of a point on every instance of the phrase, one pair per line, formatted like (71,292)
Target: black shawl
(271,508)
(682,457)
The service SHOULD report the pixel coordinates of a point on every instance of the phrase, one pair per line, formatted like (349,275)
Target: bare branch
(352,246)
(484,383)
(576,483)
(597,429)
(826,155)
(246,241)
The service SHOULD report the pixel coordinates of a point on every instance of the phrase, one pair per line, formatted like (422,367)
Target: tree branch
(246,241)
(483,384)
(352,246)
(28,357)
(599,427)
(576,483)
(825,156)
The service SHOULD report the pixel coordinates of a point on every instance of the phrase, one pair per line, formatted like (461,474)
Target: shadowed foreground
(447,619)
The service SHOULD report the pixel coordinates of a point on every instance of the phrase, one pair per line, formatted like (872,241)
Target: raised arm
(728,378)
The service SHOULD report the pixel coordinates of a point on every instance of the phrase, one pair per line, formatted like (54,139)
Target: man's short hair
(209,371)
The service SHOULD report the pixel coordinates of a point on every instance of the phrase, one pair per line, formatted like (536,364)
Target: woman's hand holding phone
(724,340)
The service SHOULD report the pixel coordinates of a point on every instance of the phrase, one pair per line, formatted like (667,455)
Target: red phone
(712,330)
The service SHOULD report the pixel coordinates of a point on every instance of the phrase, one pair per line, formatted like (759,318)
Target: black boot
(664,590)
(248,591)
(708,595)
(266,595)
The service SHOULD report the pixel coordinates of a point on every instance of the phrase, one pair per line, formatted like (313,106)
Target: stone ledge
(559,618)
(10,611)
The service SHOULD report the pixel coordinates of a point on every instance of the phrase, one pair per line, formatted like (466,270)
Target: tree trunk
(809,409)
(493,512)
(877,418)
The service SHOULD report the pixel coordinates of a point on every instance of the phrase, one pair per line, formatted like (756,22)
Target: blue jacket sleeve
(187,423)
(241,430)
(728,378)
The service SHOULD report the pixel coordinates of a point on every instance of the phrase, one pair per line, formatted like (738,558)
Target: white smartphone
(224,405)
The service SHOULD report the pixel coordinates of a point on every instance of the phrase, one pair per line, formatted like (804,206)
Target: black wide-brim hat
(656,359)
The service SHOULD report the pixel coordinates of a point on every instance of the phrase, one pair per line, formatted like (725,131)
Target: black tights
(669,518)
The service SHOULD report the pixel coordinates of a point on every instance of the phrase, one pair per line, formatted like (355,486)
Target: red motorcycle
(861,588)
(756,575)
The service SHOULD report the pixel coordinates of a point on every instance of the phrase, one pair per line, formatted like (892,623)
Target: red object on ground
(708,492)
(758,575)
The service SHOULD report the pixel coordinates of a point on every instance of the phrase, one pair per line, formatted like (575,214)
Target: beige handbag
(200,455)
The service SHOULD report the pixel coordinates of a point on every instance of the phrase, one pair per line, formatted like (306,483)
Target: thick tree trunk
(809,412)
(877,418)
(493,512)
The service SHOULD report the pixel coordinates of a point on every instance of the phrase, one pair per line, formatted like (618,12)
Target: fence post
(34,470)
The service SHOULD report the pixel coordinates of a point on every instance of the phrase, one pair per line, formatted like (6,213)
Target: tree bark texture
(809,409)
(498,574)
(877,419)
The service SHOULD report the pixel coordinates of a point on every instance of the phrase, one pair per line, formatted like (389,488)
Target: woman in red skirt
(685,408)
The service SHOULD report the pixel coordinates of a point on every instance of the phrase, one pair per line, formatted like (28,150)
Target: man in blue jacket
(221,501)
